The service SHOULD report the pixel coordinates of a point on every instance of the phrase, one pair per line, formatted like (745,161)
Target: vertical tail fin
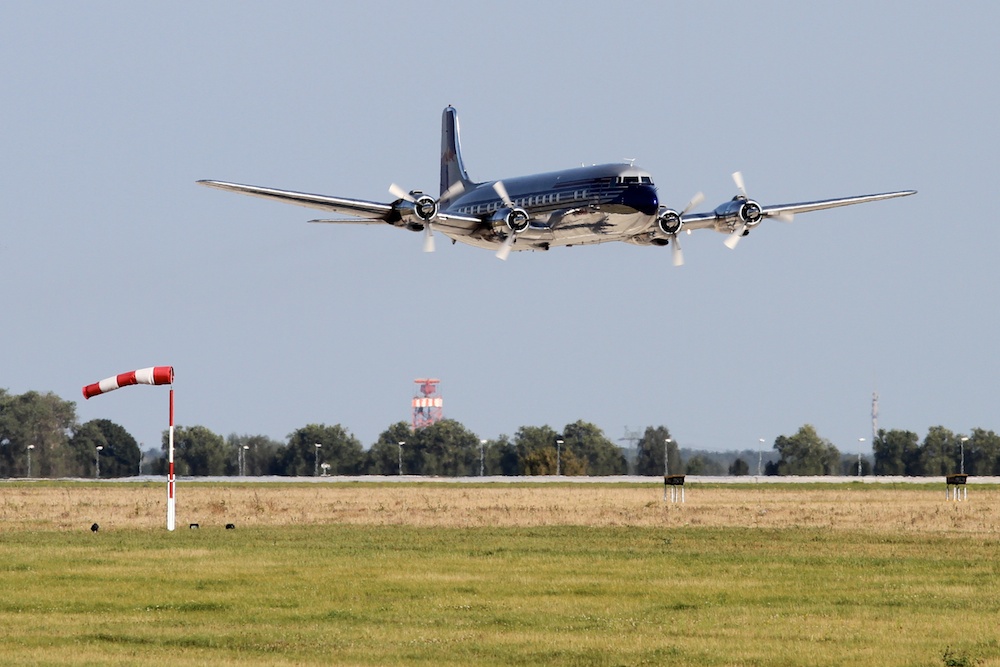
(452,169)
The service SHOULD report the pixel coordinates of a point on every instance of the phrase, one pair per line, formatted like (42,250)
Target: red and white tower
(428,405)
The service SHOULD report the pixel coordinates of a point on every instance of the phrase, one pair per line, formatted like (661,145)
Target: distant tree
(739,468)
(259,454)
(445,448)
(153,461)
(940,452)
(586,441)
(197,451)
(982,453)
(695,466)
(649,460)
(896,453)
(501,457)
(41,421)
(83,446)
(383,456)
(805,453)
(538,454)
(548,461)
(849,465)
(338,448)
(702,464)
(119,454)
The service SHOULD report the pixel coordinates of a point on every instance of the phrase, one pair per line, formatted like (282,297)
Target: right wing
(367,212)
(363,212)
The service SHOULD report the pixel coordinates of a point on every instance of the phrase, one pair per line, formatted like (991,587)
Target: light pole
(760,454)
(482,458)
(559,444)
(316,461)
(861,443)
(961,444)
(243,460)
(30,447)
(401,443)
(666,456)
(97,459)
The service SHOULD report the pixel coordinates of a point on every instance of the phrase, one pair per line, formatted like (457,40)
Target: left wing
(785,211)
(805,207)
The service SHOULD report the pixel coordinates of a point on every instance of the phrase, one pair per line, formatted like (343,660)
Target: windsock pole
(152,375)
(171,500)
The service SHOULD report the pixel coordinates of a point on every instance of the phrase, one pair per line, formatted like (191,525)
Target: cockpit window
(634,180)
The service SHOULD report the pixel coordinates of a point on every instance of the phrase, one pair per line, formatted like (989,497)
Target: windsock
(153,375)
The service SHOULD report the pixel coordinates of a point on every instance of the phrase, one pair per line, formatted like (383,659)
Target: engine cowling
(422,209)
(669,222)
(507,220)
(738,212)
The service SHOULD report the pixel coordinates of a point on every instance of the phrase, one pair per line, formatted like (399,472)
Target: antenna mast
(874,416)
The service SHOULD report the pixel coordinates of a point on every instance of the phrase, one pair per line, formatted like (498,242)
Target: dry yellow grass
(876,508)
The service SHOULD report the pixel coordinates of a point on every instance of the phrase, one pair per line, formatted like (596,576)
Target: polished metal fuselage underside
(570,207)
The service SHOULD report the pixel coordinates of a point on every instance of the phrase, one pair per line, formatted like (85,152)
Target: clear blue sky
(114,259)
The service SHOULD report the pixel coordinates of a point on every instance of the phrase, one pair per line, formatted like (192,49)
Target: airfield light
(316,460)
(559,444)
(30,447)
(666,457)
(961,444)
(401,443)
(243,470)
(482,457)
(760,454)
(97,460)
(861,442)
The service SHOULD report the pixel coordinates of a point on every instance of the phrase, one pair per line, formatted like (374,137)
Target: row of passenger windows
(552,198)
(534,200)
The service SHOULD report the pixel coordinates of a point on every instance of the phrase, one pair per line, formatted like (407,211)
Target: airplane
(579,206)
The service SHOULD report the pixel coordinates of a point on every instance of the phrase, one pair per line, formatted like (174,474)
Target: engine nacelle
(422,209)
(739,211)
(507,220)
(669,222)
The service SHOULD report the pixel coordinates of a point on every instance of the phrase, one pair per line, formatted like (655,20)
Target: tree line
(40,437)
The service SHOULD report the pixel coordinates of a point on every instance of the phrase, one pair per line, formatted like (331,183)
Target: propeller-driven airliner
(579,206)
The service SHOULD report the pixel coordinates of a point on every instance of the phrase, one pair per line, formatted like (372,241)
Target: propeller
(735,237)
(678,254)
(504,251)
(738,233)
(426,207)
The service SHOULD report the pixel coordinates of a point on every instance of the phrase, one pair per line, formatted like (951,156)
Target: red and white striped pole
(171,499)
(152,375)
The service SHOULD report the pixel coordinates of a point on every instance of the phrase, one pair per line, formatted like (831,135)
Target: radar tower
(428,404)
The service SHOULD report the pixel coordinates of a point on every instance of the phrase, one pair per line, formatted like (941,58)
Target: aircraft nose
(641,198)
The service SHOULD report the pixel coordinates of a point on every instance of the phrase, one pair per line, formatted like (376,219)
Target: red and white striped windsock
(153,375)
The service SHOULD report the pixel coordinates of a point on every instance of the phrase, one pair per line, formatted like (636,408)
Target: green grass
(363,595)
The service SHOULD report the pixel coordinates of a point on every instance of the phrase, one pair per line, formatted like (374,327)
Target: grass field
(490,574)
